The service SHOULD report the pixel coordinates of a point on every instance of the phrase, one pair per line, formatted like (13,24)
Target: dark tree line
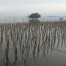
(34,17)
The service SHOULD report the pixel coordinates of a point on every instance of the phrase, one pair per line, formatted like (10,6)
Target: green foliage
(34,15)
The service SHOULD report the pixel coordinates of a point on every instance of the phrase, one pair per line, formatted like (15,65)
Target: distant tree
(34,17)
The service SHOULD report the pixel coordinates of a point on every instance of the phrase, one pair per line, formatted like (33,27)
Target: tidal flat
(33,44)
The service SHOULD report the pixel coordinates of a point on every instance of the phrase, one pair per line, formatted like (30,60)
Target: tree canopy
(35,15)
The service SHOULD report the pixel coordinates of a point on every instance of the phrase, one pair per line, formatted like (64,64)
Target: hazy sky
(26,7)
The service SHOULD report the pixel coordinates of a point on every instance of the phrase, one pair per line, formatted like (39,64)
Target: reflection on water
(31,44)
(6,53)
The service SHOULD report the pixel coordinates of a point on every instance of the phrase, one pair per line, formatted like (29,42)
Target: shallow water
(26,19)
(41,44)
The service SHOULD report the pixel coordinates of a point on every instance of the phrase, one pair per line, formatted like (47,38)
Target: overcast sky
(26,7)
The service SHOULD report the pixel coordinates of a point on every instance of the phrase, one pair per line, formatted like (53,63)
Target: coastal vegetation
(34,17)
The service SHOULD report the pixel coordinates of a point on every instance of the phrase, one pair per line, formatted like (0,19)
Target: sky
(26,7)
